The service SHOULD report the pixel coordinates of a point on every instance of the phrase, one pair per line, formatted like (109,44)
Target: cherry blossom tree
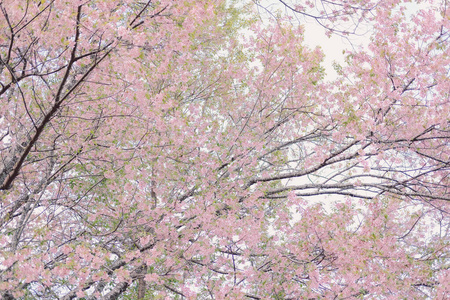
(341,17)
(188,149)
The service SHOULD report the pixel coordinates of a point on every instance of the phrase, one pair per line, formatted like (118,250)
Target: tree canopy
(196,150)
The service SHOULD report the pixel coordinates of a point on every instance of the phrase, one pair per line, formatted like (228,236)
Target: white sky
(332,47)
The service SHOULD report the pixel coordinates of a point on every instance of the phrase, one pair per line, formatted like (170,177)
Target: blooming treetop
(153,150)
